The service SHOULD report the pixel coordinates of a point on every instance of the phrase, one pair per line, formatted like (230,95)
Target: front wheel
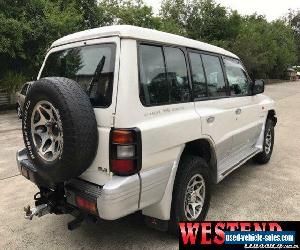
(264,156)
(191,192)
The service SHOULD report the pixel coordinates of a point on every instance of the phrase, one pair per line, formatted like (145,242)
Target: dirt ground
(253,192)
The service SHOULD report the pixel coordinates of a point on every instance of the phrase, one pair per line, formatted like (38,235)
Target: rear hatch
(93,64)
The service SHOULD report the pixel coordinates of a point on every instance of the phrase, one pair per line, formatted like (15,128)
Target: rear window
(91,66)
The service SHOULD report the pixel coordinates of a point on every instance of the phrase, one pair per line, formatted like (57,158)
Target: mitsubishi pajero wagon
(125,119)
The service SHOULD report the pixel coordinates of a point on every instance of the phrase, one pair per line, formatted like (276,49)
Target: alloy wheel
(46,130)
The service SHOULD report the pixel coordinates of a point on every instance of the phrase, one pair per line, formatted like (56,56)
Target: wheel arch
(203,147)
(272,116)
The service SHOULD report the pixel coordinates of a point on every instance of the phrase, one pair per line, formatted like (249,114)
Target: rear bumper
(119,196)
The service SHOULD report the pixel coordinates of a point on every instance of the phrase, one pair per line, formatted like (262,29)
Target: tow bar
(53,202)
(46,201)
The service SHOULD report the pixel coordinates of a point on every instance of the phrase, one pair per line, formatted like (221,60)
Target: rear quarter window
(216,86)
(163,75)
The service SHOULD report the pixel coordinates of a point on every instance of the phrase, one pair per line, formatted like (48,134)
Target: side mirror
(258,87)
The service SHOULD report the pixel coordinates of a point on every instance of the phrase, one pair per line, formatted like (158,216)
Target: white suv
(123,119)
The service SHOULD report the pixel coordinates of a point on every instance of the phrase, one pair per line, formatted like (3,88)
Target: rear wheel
(264,156)
(191,192)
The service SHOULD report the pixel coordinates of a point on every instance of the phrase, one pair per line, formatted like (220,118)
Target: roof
(128,31)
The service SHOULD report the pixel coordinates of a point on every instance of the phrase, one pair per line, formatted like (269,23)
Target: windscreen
(91,66)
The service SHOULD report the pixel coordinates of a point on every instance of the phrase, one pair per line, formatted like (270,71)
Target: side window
(154,87)
(177,75)
(198,77)
(163,75)
(237,77)
(24,89)
(214,74)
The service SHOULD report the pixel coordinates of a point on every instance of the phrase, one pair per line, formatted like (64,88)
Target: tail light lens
(87,205)
(125,151)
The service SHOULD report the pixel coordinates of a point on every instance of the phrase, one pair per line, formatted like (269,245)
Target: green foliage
(28,27)
(12,81)
(136,13)
(173,16)
(267,49)
(27,30)
(293,20)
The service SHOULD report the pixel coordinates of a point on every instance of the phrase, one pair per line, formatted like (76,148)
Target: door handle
(210,119)
(238,111)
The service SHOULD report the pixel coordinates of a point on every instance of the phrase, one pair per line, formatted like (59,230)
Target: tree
(203,20)
(266,48)
(285,48)
(129,12)
(207,21)
(173,15)
(28,28)
(293,19)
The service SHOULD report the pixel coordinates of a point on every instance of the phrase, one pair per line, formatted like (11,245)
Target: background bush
(12,81)
(28,27)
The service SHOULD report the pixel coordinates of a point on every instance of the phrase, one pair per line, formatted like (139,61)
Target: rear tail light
(125,151)
(86,204)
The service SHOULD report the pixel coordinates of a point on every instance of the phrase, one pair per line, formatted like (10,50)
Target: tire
(59,129)
(19,111)
(264,156)
(190,167)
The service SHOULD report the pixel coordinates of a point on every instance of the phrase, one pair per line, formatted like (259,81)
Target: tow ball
(53,202)
(38,211)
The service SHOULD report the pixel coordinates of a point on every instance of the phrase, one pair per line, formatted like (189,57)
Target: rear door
(94,65)
(212,102)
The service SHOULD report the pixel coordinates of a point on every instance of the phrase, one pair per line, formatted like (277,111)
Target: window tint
(214,74)
(237,78)
(24,89)
(91,66)
(177,75)
(163,75)
(198,77)
(154,86)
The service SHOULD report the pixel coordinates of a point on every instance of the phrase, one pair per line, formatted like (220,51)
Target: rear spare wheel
(59,129)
